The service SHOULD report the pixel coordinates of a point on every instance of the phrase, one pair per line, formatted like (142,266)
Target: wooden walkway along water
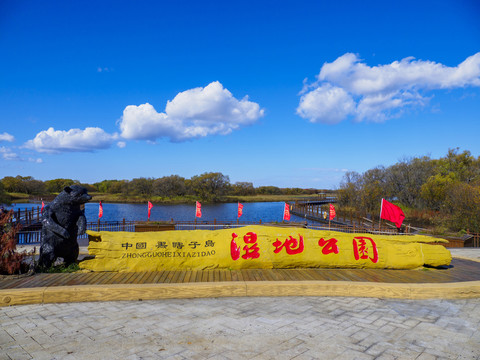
(460,271)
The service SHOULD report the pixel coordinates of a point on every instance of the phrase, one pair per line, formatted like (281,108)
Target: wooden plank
(239,275)
(44,279)
(314,275)
(266,275)
(286,276)
(63,279)
(174,274)
(163,277)
(188,275)
(246,274)
(250,273)
(136,277)
(125,279)
(193,276)
(157,277)
(18,283)
(76,279)
(228,275)
(85,279)
(180,276)
(141,279)
(259,275)
(306,275)
(144,292)
(93,280)
(275,274)
(106,277)
(149,278)
(114,278)
(9,297)
(462,270)
(168,278)
(328,274)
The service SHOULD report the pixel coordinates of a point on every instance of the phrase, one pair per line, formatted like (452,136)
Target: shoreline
(106,199)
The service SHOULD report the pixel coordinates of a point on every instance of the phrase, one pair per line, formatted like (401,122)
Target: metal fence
(31,235)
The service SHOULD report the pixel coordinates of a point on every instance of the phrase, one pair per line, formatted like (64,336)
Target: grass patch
(63,269)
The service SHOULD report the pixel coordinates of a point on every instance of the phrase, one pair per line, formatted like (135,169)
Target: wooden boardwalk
(460,271)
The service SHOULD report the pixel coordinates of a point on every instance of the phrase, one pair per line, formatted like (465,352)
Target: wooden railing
(344,221)
(473,239)
(27,217)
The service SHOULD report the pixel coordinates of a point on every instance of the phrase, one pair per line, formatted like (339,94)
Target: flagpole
(380,220)
(381,208)
(329,217)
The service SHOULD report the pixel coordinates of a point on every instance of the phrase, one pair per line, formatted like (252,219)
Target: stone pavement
(244,328)
(466,253)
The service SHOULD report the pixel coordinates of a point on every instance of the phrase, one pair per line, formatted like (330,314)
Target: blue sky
(285,93)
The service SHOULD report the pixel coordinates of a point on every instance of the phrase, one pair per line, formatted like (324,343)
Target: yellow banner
(259,247)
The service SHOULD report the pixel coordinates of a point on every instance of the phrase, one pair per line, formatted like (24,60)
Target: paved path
(244,328)
(466,253)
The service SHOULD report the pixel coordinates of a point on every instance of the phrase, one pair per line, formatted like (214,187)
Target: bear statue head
(77,194)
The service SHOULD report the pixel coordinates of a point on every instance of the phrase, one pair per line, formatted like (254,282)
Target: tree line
(441,192)
(210,186)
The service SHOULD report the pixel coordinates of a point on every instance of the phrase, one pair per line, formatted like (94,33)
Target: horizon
(291,95)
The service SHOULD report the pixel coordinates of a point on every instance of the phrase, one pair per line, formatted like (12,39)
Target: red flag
(332,212)
(392,213)
(100,210)
(150,206)
(41,210)
(198,210)
(240,210)
(286,212)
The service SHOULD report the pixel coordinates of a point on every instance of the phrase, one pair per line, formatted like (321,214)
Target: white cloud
(193,113)
(7,137)
(121,144)
(348,87)
(327,103)
(8,154)
(55,141)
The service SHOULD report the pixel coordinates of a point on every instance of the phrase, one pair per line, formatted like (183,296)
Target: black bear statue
(62,220)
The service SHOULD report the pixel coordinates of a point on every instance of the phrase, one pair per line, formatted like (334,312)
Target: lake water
(252,212)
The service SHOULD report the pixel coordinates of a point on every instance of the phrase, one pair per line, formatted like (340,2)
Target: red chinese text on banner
(332,212)
(286,212)
(392,213)
(150,206)
(240,210)
(100,210)
(198,209)
(292,246)
(251,252)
